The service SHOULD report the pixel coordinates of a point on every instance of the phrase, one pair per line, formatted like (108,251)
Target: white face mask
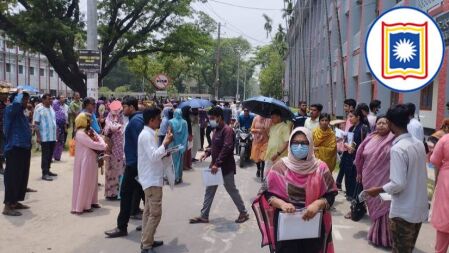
(213,123)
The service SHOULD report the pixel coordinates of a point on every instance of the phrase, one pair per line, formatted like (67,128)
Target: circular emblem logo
(161,82)
(404,49)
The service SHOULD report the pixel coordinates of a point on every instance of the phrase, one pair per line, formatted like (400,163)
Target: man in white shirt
(374,107)
(151,175)
(408,183)
(314,120)
(415,127)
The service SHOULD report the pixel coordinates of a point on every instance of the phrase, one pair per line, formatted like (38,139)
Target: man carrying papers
(150,175)
(222,151)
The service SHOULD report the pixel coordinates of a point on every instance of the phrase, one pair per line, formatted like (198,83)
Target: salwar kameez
(180,133)
(114,163)
(85,171)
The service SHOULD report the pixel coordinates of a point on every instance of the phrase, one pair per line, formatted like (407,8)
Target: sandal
(95,206)
(198,220)
(9,211)
(348,216)
(88,210)
(30,190)
(77,213)
(242,218)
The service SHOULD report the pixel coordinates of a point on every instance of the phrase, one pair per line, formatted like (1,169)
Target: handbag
(358,208)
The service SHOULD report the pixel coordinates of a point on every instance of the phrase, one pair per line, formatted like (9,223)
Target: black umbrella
(263,106)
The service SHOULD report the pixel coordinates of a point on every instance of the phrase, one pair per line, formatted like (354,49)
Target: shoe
(9,211)
(242,218)
(19,206)
(157,244)
(139,228)
(52,174)
(47,178)
(194,160)
(113,198)
(339,187)
(258,173)
(147,251)
(114,233)
(30,190)
(95,206)
(136,216)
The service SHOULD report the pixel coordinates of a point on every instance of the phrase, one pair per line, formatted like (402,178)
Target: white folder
(169,171)
(210,179)
(293,227)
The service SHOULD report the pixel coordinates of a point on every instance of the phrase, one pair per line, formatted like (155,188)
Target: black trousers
(208,133)
(202,133)
(129,186)
(47,154)
(16,174)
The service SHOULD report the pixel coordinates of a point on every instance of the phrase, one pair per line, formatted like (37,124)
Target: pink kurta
(440,213)
(85,171)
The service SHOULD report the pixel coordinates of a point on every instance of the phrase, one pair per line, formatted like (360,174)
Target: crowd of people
(295,159)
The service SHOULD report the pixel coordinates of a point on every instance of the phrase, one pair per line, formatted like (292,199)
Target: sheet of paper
(385,196)
(175,149)
(350,138)
(340,133)
(210,179)
(169,171)
(293,227)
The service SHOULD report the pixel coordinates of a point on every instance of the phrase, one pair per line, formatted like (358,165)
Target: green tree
(122,89)
(128,28)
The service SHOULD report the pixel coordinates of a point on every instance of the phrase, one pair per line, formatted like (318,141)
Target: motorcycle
(244,141)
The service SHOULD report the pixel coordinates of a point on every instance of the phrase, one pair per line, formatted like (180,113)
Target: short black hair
(363,107)
(358,112)
(276,112)
(45,96)
(411,109)
(325,116)
(399,116)
(13,96)
(373,105)
(302,102)
(383,116)
(350,102)
(319,107)
(216,111)
(151,113)
(214,102)
(131,101)
(88,101)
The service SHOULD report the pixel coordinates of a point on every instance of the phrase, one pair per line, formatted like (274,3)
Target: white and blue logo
(404,49)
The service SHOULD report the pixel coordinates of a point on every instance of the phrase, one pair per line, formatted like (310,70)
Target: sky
(240,21)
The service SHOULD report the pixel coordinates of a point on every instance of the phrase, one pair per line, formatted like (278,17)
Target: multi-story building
(326,59)
(20,67)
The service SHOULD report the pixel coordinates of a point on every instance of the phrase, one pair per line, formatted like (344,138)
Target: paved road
(49,226)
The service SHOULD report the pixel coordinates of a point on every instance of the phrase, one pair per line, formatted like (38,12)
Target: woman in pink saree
(85,169)
(373,168)
(297,181)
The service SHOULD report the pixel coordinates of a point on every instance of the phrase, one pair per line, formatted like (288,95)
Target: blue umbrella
(263,106)
(196,103)
(28,88)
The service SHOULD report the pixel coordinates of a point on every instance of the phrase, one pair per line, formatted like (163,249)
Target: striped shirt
(47,123)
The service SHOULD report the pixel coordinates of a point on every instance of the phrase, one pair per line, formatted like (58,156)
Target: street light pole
(217,65)
(237,95)
(92,44)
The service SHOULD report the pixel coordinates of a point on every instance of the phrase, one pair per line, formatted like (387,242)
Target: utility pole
(92,44)
(237,94)
(331,82)
(217,65)
(244,87)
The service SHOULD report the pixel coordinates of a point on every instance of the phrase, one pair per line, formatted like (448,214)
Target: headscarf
(164,124)
(177,122)
(302,167)
(186,115)
(82,121)
(59,113)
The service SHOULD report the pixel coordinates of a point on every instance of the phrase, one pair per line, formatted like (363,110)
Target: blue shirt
(15,126)
(94,122)
(246,121)
(132,131)
(46,118)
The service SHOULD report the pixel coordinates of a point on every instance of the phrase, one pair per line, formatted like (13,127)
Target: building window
(32,71)
(42,72)
(426,98)
(20,69)
(8,67)
(51,73)
(394,98)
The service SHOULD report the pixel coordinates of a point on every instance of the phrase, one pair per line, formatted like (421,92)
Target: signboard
(161,81)
(89,61)
(443,23)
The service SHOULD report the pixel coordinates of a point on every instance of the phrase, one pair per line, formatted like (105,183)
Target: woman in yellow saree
(325,142)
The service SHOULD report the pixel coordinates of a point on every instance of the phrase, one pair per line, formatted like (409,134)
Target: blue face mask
(299,151)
